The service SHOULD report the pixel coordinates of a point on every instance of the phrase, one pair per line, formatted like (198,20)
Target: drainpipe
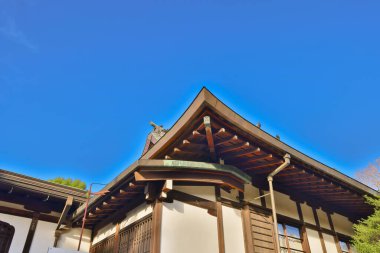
(274,214)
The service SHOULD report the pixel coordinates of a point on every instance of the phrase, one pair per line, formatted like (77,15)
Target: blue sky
(80,80)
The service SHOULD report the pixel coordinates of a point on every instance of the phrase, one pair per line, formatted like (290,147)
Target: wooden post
(219,218)
(336,239)
(319,230)
(247,229)
(32,230)
(116,239)
(155,246)
(305,240)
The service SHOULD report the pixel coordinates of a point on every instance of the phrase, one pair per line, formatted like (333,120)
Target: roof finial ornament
(157,128)
(278,137)
(259,124)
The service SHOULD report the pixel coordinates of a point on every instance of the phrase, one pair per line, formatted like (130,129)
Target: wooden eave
(39,186)
(128,188)
(252,150)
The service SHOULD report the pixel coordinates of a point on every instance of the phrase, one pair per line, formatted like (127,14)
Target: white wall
(323,220)
(233,230)
(70,239)
(204,192)
(132,216)
(188,229)
(21,226)
(250,193)
(232,195)
(307,213)
(43,237)
(314,241)
(342,224)
(330,243)
(284,205)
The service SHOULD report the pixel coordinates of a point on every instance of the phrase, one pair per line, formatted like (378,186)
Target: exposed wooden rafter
(209,137)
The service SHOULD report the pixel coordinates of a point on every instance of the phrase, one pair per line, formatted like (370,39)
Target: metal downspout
(274,213)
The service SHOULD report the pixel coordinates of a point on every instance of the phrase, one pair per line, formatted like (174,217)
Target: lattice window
(104,246)
(132,239)
(136,238)
(344,246)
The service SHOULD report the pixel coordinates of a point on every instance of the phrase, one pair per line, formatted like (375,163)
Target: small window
(344,247)
(290,239)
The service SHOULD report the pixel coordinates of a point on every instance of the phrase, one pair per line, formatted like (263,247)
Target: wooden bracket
(209,137)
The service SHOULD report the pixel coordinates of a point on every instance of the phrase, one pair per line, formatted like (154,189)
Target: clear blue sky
(80,80)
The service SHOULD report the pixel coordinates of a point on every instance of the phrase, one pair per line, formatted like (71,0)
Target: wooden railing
(134,238)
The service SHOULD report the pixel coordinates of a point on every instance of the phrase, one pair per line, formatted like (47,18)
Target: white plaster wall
(342,224)
(233,230)
(308,215)
(329,243)
(204,192)
(188,229)
(134,215)
(314,241)
(232,195)
(323,220)
(21,226)
(43,237)
(250,193)
(284,205)
(70,240)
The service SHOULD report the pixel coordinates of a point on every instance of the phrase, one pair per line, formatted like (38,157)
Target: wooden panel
(262,231)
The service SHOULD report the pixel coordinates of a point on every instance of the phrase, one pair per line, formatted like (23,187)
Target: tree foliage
(367,232)
(69,182)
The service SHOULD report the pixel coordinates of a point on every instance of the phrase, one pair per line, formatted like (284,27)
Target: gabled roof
(205,99)
(209,130)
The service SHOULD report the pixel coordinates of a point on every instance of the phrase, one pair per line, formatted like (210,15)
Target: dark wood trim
(319,230)
(336,239)
(27,214)
(117,238)
(262,200)
(155,246)
(305,240)
(62,219)
(219,217)
(32,230)
(247,229)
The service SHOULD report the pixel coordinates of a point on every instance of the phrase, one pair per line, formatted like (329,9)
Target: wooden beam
(32,230)
(66,208)
(233,148)
(319,230)
(242,162)
(264,165)
(226,141)
(242,153)
(209,137)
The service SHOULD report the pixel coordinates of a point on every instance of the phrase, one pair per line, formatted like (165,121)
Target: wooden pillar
(219,217)
(305,240)
(336,239)
(32,230)
(247,229)
(116,239)
(155,246)
(319,230)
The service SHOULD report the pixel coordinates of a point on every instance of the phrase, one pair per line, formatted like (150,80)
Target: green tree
(69,182)
(367,232)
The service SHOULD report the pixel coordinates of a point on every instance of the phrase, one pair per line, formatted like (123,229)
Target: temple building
(212,183)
